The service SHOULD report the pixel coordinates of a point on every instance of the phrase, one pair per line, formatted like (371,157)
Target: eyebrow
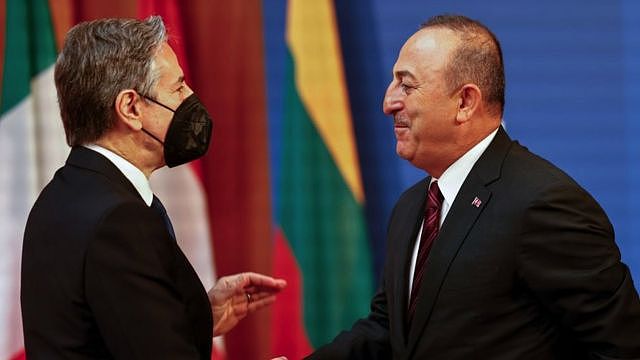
(179,81)
(404,73)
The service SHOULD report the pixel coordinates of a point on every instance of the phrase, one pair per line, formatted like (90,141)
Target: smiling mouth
(400,124)
(400,121)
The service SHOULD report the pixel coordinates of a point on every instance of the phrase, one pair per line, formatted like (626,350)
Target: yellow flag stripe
(313,41)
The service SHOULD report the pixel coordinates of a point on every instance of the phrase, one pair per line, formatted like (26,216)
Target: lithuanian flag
(319,191)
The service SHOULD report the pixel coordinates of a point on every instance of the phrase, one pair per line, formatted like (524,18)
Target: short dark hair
(99,59)
(478,58)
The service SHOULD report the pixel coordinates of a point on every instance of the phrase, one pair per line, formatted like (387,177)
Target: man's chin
(403,152)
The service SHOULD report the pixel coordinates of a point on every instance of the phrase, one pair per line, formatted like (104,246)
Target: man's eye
(406,88)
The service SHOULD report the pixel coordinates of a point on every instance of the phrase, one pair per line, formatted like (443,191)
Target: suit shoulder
(73,203)
(531,170)
(531,178)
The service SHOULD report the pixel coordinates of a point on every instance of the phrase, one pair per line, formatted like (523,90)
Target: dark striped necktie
(156,204)
(430,228)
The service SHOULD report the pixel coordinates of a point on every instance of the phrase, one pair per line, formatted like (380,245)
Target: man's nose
(392,100)
(188,91)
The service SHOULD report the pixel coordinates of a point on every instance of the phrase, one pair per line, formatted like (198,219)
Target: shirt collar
(451,179)
(132,173)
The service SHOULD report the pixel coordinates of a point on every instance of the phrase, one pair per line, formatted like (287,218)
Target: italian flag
(32,144)
(322,237)
(32,148)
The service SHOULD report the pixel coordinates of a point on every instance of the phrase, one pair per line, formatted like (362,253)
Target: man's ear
(470,98)
(127,107)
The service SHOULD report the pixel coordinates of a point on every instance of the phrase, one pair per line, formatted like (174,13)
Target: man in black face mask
(188,135)
(102,274)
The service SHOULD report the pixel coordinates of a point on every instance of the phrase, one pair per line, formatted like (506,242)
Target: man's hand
(235,296)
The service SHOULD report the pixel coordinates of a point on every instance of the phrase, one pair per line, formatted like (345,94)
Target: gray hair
(100,59)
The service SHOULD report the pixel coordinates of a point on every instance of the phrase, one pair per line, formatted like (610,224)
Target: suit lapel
(459,221)
(405,230)
(465,211)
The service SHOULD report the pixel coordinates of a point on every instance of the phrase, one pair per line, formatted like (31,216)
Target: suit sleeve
(569,259)
(129,287)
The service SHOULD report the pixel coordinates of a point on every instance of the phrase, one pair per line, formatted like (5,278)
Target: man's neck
(462,147)
(128,151)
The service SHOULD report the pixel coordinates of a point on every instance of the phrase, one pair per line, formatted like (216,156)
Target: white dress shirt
(450,183)
(132,173)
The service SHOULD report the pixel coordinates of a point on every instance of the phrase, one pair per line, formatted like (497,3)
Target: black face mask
(189,132)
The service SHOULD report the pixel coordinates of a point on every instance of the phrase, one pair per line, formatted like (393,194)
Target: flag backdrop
(321,198)
(302,173)
(31,143)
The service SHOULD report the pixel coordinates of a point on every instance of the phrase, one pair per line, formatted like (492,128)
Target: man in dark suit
(102,274)
(498,254)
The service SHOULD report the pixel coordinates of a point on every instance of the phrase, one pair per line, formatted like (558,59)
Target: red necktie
(430,229)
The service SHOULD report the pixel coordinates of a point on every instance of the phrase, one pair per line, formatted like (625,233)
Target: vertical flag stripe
(324,224)
(43,47)
(289,334)
(225,55)
(311,31)
(181,188)
(31,144)
(61,18)
(3,30)
(25,55)
(17,56)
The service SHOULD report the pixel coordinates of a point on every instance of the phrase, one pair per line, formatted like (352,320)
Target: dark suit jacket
(102,278)
(531,273)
